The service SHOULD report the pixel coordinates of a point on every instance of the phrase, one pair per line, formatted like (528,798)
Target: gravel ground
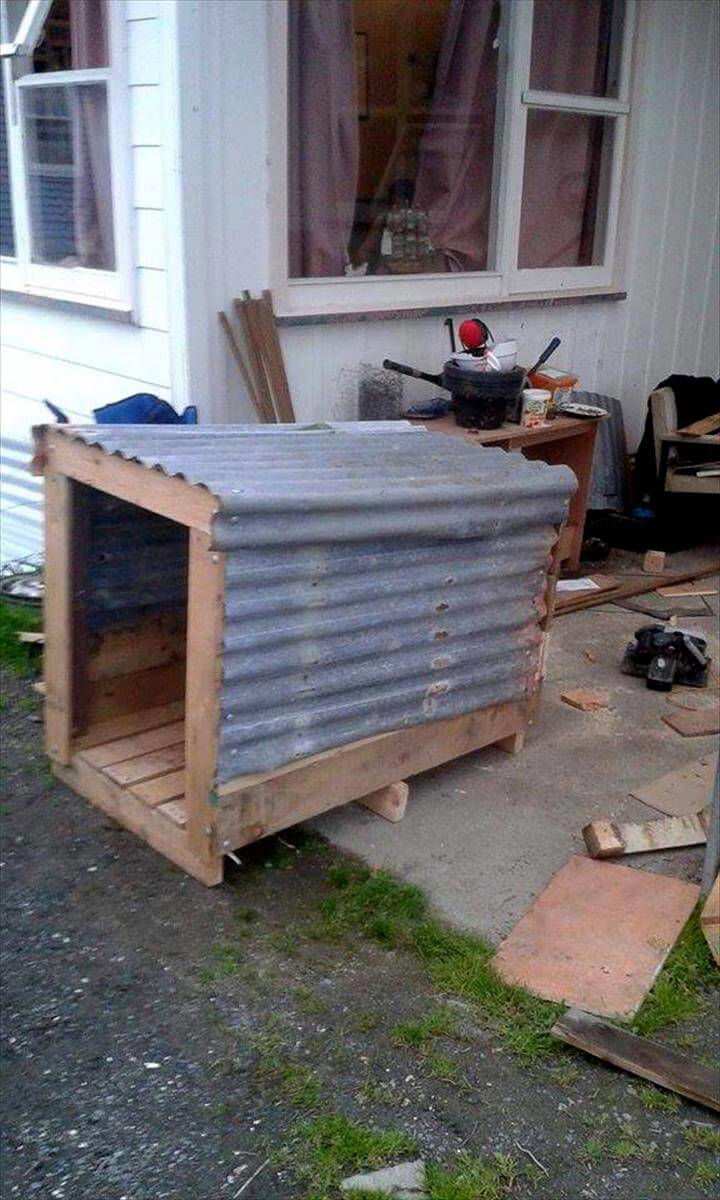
(142,1012)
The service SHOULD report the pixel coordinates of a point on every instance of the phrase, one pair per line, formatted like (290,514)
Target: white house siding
(669,323)
(78,361)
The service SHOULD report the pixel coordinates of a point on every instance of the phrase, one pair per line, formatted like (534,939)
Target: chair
(664,422)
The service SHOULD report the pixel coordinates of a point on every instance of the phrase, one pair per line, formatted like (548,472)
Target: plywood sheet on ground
(597,936)
(680,793)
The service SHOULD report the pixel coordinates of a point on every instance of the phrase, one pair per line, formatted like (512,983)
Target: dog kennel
(248,625)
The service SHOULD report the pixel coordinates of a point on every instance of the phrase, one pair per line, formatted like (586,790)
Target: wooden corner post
(59,621)
(206,597)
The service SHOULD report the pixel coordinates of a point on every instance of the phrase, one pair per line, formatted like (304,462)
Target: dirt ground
(146,1021)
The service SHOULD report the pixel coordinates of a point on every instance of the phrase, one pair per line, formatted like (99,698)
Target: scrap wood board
(680,792)
(609,839)
(695,722)
(597,936)
(616,587)
(710,920)
(650,1060)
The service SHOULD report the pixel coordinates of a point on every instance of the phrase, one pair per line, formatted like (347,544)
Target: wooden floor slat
(147,766)
(136,744)
(118,727)
(157,791)
(176,810)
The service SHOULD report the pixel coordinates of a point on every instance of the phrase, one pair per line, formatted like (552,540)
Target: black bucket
(481,399)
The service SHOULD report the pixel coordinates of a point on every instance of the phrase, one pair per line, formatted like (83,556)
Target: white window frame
(19,274)
(507,281)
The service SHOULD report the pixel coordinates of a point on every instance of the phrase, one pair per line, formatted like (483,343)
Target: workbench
(569,441)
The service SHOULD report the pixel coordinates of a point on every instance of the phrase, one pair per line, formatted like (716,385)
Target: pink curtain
(563,151)
(323,137)
(92,201)
(456,154)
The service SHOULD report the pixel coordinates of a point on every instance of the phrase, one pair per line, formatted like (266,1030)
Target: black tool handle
(549,349)
(389,365)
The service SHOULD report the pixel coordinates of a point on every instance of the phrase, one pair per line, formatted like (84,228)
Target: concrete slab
(597,936)
(484,834)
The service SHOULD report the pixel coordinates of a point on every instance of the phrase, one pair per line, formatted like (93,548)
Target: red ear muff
(473,333)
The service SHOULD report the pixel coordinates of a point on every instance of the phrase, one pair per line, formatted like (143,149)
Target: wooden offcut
(586,699)
(699,722)
(610,839)
(389,802)
(650,1060)
(710,920)
(679,793)
(702,428)
(654,562)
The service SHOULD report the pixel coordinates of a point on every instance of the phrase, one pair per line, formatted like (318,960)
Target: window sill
(65,302)
(528,300)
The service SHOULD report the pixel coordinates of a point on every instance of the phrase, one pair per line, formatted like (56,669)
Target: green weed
(655,1100)
(704,1137)
(443,1068)
(705,1174)
(472,1178)
(225,960)
(290,1080)
(308,1001)
(677,994)
(440,1022)
(14,618)
(323,1151)
(395,914)
(592,1150)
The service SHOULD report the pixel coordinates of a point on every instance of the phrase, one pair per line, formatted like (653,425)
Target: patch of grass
(440,1022)
(284,941)
(628,1146)
(308,1001)
(592,1150)
(443,1068)
(371,903)
(472,1178)
(374,1091)
(565,1076)
(704,1137)
(395,914)
(225,960)
(290,1080)
(656,1100)
(323,1151)
(677,994)
(14,618)
(246,916)
(705,1174)
(365,1022)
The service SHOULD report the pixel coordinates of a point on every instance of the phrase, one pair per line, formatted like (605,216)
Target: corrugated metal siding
(136,563)
(374,579)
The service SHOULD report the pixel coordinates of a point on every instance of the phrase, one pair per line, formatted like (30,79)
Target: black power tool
(667,656)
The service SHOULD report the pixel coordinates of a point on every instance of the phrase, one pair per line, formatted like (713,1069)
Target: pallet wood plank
(252,806)
(186,503)
(246,317)
(242,366)
(710,920)
(58,616)
(686,790)
(698,722)
(138,743)
(147,766)
(389,802)
(175,810)
(634,586)
(160,833)
(609,839)
(650,1060)
(159,790)
(206,613)
(134,722)
(274,360)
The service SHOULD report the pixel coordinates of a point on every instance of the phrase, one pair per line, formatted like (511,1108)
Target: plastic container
(536,402)
(481,398)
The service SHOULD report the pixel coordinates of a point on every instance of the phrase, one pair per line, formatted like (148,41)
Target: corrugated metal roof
(376,577)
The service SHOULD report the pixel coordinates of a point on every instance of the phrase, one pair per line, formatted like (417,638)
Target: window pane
(576,46)
(566,178)
(68,165)
(74,37)
(7,236)
(391,137)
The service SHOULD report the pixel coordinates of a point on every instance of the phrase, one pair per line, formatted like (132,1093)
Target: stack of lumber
(257,352)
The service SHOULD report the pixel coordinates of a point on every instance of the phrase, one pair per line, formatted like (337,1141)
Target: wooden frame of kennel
(153,769)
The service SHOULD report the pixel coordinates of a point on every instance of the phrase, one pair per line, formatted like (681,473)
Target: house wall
(82,361)
(669,321)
